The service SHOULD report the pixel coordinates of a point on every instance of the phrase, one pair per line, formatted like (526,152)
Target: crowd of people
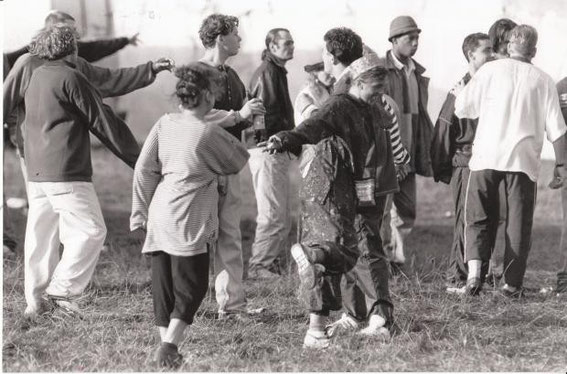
(361,131)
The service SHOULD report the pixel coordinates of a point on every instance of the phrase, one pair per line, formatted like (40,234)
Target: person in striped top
(175,201)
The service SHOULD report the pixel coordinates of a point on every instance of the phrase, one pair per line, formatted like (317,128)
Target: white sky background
(445,23)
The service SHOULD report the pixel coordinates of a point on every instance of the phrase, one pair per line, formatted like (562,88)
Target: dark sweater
(269,83)
(232,95)
(62,107)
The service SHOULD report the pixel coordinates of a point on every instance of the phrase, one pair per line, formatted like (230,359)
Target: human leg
(403,214)
(271,184)
(41,247)
(521,198)
(457,271)
(228,265)
(562,274)
(82,232)
(481,213)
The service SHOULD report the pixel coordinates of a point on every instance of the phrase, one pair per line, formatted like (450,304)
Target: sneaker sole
(305,268)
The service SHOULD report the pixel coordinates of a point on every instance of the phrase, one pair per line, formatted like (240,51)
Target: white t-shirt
(515,103)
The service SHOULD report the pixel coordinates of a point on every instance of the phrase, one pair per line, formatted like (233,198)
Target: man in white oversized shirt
(516,103)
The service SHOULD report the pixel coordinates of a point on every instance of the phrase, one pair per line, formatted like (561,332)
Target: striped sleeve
(222,152)
(401,155)
(147,175)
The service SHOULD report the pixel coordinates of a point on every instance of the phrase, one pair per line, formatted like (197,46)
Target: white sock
(474,269)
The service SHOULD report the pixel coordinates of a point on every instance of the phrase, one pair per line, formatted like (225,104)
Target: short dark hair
(471,42)
(56,16)
(273,36)
(344,44)
(194,80)
(215,25)
(54,43)
(499,34)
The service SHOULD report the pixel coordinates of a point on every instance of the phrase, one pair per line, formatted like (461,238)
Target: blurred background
(169,28)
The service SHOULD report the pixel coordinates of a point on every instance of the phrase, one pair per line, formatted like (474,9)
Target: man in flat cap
(408,87)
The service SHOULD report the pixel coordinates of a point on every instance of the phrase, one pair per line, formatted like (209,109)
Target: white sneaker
(376,327)
(305,268)
(346,322)
(68,306)
(16,203)
(316,340)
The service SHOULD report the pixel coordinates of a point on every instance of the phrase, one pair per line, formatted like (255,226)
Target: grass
(438,332)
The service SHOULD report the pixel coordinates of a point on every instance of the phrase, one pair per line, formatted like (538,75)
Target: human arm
(102,121)
(222,152)
(147,175)
(94,50)
(443,142)
(468,97)
(230,118)
(116,82)
(13,56)
(266,88)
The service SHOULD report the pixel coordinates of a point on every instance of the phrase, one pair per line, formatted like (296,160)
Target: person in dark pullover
(63,107)
(328,246)
(270,173)
(451,150)
(219,35)
(91,50)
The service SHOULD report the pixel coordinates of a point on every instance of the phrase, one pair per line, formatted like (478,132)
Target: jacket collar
(390,65)
(269,57)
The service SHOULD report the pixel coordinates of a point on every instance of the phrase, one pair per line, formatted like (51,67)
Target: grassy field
(438,332)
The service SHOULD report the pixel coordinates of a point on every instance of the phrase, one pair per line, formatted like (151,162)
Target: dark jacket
(108,82)
(91,51)
(451,145)
(269,83)
(231,96)
(354,121)
(62,107)
(422,131)
(386,180)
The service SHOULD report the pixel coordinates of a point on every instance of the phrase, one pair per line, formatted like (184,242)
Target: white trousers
(270,177)
(228,265)
(67,213)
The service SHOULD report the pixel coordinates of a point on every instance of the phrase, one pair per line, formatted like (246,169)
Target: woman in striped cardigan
(175,201)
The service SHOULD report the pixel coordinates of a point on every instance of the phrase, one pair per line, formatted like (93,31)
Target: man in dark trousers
(516,105)
(451,150)
(270,173)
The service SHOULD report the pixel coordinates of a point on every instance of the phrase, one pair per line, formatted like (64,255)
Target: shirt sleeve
(103,122)
(442,143)
(222,152)
(222,118)
(95,50)
(554,122)
(116,82)
(467,103)
(401,155)
(147,175)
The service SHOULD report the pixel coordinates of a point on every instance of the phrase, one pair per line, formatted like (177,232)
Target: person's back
(56,138)
(513,110)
